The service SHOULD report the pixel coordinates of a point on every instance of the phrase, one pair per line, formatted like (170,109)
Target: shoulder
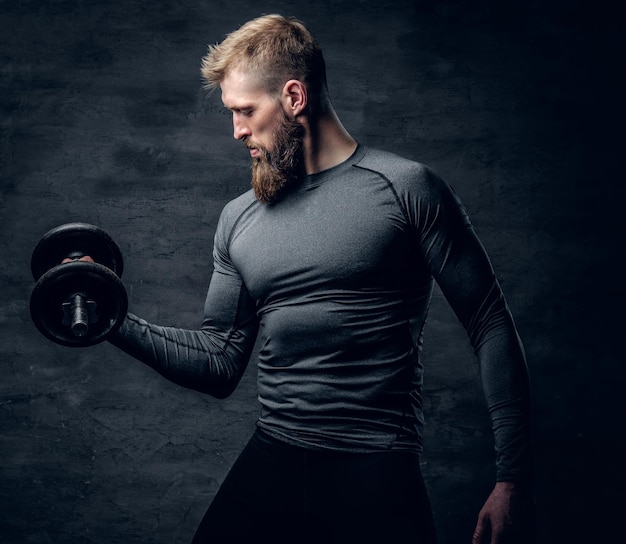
(235,208)
(401,173)
(239,204)
(231,215)
(422,193)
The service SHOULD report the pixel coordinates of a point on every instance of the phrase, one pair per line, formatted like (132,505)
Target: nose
(240,129)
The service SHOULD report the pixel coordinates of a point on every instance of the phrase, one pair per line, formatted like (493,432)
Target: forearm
(206,360)
(506,387)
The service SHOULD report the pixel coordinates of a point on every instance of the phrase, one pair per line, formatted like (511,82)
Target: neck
(326,142)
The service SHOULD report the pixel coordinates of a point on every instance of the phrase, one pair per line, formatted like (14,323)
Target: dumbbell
(77,303)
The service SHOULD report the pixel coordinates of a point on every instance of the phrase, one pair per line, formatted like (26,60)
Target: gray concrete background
(519,105)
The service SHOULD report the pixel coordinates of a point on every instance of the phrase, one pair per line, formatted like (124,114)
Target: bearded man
(331,258)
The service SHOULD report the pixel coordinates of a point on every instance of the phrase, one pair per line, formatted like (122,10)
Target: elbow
(223,391)
(220,384)
(217,388)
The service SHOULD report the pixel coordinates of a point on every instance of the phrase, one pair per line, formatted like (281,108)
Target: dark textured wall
(517,104)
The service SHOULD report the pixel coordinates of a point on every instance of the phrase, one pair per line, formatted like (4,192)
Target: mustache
(251,145)
(264,153)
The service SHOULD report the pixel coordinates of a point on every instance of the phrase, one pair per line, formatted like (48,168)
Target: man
(331,258)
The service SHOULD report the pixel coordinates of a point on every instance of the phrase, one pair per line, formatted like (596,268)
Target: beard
(274,171)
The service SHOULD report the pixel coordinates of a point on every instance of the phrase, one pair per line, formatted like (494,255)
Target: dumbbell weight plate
(94,282)
(74,240)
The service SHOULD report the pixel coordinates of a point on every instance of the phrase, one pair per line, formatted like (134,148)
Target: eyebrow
(236,107)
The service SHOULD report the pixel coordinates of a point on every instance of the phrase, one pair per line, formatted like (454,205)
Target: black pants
(284,494)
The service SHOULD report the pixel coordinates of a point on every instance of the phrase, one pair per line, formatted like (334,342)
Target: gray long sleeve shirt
(337,279)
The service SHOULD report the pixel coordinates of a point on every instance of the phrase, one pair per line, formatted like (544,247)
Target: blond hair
(274,49)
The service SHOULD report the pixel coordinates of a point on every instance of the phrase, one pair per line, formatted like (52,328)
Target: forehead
(240,88)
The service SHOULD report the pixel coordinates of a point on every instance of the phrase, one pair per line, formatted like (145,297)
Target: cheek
(264,128)
(267,122)
(264,136)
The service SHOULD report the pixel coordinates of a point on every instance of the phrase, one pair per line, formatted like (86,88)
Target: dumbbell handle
(79,312)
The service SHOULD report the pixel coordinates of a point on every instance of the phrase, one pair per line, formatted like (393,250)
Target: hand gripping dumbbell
(76,302)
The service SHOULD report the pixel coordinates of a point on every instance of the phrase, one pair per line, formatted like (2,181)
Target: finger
(85,258)
(479,531)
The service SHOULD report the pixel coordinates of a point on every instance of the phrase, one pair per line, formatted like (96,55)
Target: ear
(294,98)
